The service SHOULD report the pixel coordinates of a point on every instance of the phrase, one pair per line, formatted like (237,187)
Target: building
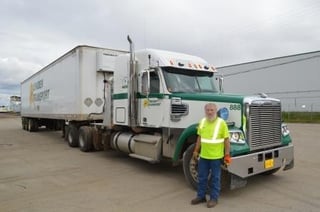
(3,109)
(293,79)
(15,104)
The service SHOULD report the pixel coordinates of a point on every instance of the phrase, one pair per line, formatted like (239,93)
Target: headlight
(237,137)
(284,129)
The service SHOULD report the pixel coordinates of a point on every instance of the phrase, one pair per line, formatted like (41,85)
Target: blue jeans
(204,167)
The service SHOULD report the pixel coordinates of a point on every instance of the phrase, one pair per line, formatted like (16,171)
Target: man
(213,138)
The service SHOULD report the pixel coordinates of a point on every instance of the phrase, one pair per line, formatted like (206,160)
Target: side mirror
(220,81)
(145,82)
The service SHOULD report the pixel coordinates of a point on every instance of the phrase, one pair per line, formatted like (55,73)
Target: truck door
(151,101)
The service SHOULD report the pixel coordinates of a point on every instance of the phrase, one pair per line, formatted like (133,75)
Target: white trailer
(147,104)
(72,88)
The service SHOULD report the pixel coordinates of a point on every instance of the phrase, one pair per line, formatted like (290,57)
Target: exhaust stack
(132,87)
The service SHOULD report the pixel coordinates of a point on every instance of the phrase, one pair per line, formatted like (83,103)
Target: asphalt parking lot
(39,172)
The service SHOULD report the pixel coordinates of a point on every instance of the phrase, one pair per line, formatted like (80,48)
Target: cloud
(33,33)
(12,71)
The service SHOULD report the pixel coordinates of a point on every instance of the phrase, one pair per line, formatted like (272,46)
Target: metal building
(293,79)
(15,104)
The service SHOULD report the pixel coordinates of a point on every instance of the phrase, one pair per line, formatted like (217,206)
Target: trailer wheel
(65,132)
(85,139)
(24,124)
(190,167)
(29,125)
(32,125)
(73,136)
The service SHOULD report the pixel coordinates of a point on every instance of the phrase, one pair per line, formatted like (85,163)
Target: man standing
(214,145)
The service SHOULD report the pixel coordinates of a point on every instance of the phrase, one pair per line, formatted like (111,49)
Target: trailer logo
(35,95)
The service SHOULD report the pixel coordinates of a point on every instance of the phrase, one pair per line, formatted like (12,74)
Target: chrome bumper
(252,164)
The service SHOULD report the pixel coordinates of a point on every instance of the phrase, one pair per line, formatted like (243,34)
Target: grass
(301,117)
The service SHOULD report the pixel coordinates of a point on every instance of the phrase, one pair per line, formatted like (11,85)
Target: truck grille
(264,125)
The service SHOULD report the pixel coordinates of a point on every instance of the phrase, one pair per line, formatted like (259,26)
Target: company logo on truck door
(151,102)
(35,95)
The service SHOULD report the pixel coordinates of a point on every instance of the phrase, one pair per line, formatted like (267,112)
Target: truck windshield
(186,81)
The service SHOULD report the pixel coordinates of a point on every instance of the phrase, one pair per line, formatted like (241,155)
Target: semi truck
(147,104)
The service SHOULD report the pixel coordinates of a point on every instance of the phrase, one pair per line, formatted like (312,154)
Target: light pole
(288,112)
(311,111)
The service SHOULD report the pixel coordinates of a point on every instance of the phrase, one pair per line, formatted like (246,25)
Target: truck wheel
(225,180)
(85,139)
(73,136)
(190,167)
(97,140)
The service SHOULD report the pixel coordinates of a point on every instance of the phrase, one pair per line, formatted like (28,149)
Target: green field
(301,117)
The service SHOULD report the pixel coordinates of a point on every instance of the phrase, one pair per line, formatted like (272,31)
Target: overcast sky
(33,33)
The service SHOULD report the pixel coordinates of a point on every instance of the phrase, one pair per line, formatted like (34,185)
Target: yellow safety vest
(212,136)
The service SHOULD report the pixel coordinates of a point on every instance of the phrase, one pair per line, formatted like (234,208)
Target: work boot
(198,200)
(211,203)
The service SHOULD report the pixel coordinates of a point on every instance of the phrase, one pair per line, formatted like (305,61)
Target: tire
(29,125)
(225,180)
(85,139)
(32,125)
(24,123)
(190,167)
(73,136)
(66,132)
(97,140)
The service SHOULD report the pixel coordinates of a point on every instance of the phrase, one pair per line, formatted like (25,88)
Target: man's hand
(227,160)
(195,156)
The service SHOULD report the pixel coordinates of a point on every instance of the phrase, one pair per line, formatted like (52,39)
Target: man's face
(211,112)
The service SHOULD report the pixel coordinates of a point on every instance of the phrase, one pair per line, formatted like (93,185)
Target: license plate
(268,163)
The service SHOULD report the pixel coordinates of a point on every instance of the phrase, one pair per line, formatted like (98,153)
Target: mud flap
(289,166)
(237,182)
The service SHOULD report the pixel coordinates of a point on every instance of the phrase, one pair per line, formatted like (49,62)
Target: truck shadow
(163,169)
(255,184)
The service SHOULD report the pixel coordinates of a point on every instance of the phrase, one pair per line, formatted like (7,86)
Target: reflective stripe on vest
(212,148)
(214,139)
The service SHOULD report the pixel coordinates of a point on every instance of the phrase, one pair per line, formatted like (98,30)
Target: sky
(33,33)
